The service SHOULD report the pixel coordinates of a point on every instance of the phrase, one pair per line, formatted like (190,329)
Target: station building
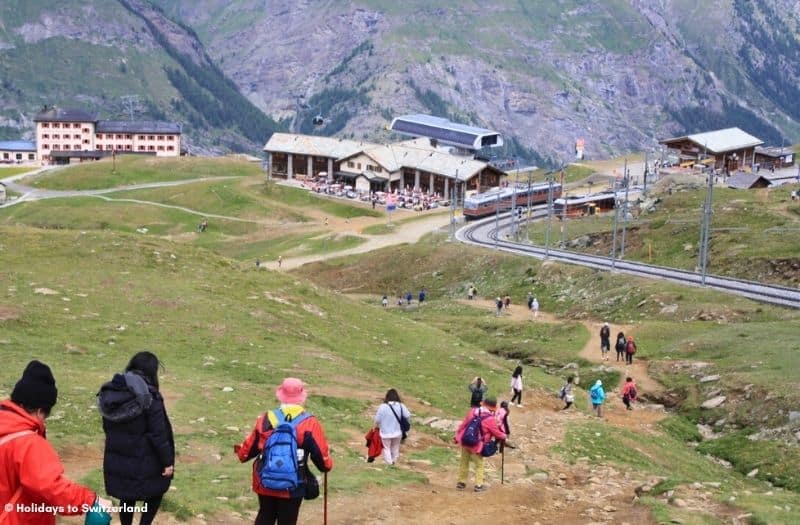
(17,151)
(413,164)
(728,149)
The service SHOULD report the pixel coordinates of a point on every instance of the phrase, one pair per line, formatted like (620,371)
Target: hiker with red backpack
(630,349)
(629,392)
(31,473)
(478,436)
(283,440)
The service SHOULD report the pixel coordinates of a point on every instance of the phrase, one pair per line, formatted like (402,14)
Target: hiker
(139,458)
(409,298)
(502,421)
(516,386)
(389,419)
(605,341)
(535,307)
(622,343)
(326,221)
(280,260)
(530,300)
(629,393)
(471,292)
(32,473)
(597,395)
(422,296)
(282,506)
(258,263)
(567,394)
(507,301)
(385,301)
(203,226)
(477,388)
(630,349)
(475,435)
(399,301)
(499,304)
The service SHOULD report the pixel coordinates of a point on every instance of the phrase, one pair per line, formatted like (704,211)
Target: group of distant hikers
(407,299)
(139,457)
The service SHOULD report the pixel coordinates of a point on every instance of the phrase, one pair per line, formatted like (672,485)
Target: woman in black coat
(139,458)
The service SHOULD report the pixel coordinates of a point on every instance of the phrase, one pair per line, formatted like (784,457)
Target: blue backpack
(280,468)
(473,434)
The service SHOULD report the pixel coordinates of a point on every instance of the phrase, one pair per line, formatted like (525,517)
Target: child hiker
(567,394)
(597,395)
(516,386)
(605,341)
(629,393)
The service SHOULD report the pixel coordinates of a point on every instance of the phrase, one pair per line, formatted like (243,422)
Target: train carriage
(486,203)
(579,206)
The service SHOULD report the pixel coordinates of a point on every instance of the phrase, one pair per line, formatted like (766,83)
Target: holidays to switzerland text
(43,508)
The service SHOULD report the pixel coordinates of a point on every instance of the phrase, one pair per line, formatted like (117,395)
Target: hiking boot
(461,485)
(480,488)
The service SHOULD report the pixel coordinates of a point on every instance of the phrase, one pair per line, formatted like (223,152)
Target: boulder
(714,402)
(794,416)
(709,379)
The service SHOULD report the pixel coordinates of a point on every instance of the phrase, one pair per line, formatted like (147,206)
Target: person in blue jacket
(597,395)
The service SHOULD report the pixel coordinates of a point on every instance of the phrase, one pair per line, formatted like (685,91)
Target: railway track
(485,233)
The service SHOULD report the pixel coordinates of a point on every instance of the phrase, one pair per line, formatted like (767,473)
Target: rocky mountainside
(619,73)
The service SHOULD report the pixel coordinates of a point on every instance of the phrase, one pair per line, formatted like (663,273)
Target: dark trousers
(280,511)
(627,401)
(629,358)
(126,518)
(517,395)
(620,355)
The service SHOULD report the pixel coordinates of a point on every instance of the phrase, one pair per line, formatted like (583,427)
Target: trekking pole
(325,500)
(502,463)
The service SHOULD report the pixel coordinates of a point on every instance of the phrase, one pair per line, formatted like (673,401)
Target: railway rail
(485,233)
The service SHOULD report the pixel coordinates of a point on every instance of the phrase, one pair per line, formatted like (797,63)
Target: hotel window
(66,147)
(119,147)
(170,137)
(128,147)
(350,164)
(161,148)
(56,146)
(170,148)
(19,156)
(45,136)
(85,141)
(99,135)
(56,136)
(151,148)
(45,146)
(86,130)
(358,166)
(76,125)
(56,125)
(5,156)
(128,136)
(119,136)
(151,137)
(99,147)
(76,136)
(141,148)
(141,137)
(45,124)
(161,137)
(31,156)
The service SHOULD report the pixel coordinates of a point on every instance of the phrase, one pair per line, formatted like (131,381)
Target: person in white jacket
(391,412)
(516,386)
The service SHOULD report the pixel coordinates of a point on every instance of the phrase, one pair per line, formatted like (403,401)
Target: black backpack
(473,434)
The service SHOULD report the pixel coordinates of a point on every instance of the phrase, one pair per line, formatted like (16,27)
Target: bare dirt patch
(8,313)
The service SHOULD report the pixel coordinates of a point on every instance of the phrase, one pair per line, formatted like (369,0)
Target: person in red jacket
(629,393)
(32,478)
(489,431)
(279,506)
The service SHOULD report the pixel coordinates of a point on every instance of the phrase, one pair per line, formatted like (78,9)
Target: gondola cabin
(487,203)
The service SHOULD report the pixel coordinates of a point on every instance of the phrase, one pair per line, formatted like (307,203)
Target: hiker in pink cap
(281,491)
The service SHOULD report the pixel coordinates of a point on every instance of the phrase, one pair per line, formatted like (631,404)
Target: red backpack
(631,348)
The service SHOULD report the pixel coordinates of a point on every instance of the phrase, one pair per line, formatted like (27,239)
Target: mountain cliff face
(619,73)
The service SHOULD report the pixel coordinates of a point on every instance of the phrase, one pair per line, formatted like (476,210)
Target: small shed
(747,181)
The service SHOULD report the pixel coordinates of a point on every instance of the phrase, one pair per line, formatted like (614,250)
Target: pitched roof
(421,156)
(313,145)
(745,181)
(721,140)
(17,145)
(54,114)
(137,126)
(443,130)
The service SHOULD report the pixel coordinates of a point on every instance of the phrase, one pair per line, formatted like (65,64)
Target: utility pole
(563,211)
(617,204)
(453,193)
(705,231)
(497,219)
(528,221)
(549,214)
(646,169)
(627,180)
(514,224)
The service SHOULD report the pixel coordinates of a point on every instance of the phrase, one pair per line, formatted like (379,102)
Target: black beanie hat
(36,388)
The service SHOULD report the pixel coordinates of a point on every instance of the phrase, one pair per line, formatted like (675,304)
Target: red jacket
(31,462)
(626,390)
(374,442)
(309,437)
(488,426)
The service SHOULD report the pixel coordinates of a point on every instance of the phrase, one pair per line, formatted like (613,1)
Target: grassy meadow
(83,289)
